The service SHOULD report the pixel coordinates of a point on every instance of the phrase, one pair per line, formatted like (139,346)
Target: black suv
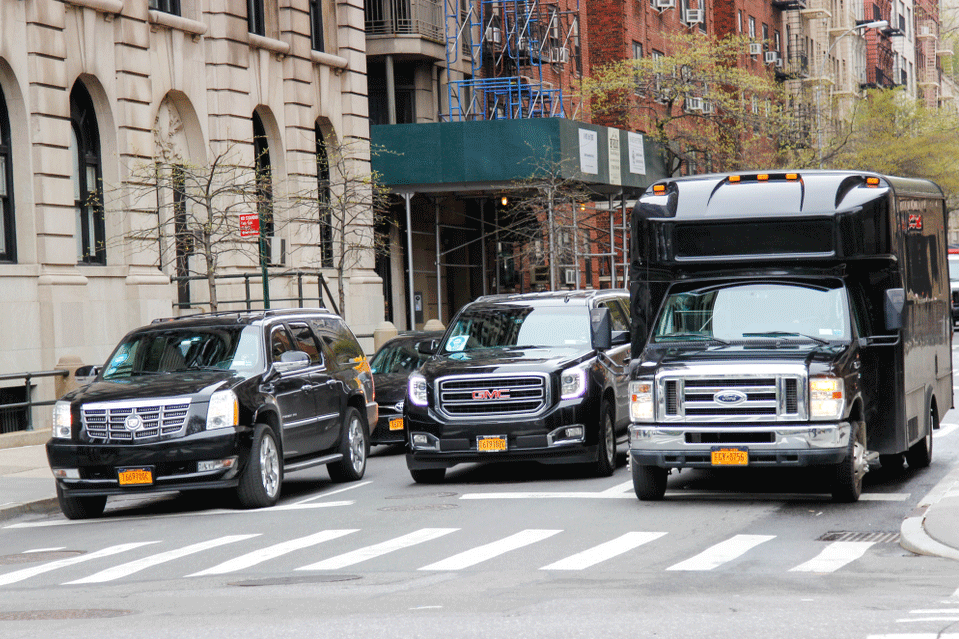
(224,400)
(540,376)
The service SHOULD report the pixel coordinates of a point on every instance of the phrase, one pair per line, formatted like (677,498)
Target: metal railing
(406,17)
(8,410)
(249,279)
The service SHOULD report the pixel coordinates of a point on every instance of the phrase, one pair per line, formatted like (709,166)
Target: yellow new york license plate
(491,444)
(396,423)
(135,476)
(730,457)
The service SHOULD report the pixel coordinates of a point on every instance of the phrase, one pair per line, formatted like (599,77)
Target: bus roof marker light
(792,176)
(659,188)
(872,181)
(735,178)
(762,177)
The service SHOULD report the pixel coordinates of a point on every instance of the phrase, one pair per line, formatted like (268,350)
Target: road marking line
(124,570)
(626,486)
(922,619)
(272,552)
(835,556)
(604,551)
(335,492)
(722,552)
(564,495)
(26,573)
(489,551)
(884,496)
(376,550)
(941,611)
(944,430)
(927,635)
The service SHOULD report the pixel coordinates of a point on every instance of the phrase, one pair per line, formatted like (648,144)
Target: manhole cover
(290,581)
(45,615)
(424,496)
(875,537)
(419,507)
(32,557)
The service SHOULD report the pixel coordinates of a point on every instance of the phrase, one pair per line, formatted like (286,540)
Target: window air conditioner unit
(494,35)
(662,5)
(779,63)
(277,250)
(755,48)
(694,104)
(569,276)
(694,16)
(708,107)
(559,54)
(770,57)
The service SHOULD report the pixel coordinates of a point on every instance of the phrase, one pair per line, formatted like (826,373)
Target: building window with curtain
(87,178)
(255,17)
(325,199)
(8,246)
(166,6)
(316,25)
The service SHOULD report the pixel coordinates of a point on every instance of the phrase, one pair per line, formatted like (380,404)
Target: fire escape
(795,70)
(514,55)
(927,37)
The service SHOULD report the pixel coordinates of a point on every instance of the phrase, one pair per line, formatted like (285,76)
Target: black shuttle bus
(788,319)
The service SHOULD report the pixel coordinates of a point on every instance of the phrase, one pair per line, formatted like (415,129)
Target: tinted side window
(339,339)
(617,316)
(303,337)
(280,343)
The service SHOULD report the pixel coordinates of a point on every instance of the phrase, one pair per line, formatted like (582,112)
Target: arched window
(324,200)
(264,195)
(8,246)
(87,178)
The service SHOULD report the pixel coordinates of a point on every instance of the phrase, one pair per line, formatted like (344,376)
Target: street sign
(249,224)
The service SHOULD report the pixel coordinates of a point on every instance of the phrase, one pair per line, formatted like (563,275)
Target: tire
(919,454)
(849,473)
(354,446)
(262,478)
(606,444)
(428,475)
(81,507)
(649,482)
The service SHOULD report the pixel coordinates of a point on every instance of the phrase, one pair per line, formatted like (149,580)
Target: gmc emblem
(490,394)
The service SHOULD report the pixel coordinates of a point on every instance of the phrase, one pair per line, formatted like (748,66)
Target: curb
(40,507)
(912,533)
(24,438)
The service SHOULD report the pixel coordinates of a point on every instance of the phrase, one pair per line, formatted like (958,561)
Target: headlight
(416,390)
(61,420)
(572,383)
(826,398)
(641,401)
(224,410)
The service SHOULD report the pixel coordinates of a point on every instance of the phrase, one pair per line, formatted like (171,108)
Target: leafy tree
(697,102)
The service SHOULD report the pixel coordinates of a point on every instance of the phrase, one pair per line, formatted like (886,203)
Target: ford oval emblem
(729,397)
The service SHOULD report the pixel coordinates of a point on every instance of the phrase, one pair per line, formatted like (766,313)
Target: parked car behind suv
(225,400)
(954,284)
(539,376)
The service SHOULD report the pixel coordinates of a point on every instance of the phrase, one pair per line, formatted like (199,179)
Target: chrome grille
(764,397)
(488,396)
(108,420)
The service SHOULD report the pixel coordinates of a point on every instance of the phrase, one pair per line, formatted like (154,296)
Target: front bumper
(383,434)
(173,463)
(691,446)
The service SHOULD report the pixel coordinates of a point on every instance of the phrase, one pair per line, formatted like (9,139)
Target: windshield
(522,326)
(953,268)
(401,357)
(234,348)
(755,310)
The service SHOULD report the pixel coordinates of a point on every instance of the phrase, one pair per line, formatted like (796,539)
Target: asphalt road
(497,551)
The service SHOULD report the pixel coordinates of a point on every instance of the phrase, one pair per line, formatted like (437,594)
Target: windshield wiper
(694,337)
(786,334)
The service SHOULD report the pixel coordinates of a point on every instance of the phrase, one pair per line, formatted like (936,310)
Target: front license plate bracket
(138,476)
(729,456)
(491,443)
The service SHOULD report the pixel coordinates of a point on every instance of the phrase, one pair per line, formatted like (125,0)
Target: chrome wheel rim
(610,440)
(357,444)
(269,466)
(859,464)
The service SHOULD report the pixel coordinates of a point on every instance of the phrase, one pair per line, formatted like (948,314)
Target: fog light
(425,441)
(566,435)
(66,473)
(215,464)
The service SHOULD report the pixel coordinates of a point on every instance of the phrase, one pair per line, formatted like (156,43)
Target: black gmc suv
(539,376)
(224,400)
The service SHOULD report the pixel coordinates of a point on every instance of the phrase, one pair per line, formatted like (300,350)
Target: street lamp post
(876,24)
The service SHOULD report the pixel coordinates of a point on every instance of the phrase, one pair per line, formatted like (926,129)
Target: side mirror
(290,361)
(85,374)
(600,328)
(620,338)
(428,347)
(895,301)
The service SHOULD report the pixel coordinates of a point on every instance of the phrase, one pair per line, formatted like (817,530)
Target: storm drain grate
(419,507)
(46,615)
(34,557)
(875,537)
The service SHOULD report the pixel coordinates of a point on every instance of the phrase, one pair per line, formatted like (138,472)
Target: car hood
(155,386)
(504,360)
(390,387)
(754,353)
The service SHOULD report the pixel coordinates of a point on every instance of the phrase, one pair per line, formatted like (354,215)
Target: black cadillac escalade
(538,376)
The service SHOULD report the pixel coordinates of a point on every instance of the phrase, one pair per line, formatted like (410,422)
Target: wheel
(80,507)
(354,446)
(428,475)
(261,479)
(649,482)
(606,455)
(919,454)
(847,484)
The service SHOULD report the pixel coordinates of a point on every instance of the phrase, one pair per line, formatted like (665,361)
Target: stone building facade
(89,88)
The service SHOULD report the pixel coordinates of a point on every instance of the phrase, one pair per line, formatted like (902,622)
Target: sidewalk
(26,486)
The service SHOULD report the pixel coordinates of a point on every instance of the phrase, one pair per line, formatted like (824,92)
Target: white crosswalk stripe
(272,552)
(489,551)
(835,556)
(722,552)
(604,551)
(26,573)
(376,550)
(127,569)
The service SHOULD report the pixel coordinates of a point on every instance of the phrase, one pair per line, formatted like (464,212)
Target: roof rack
(260,313)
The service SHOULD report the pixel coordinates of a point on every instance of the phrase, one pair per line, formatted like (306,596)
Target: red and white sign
(249,224)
